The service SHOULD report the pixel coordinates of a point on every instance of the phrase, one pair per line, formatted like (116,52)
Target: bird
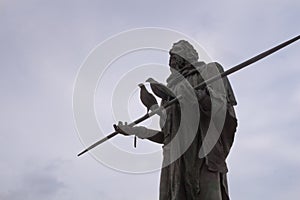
(147,98)
(160,90)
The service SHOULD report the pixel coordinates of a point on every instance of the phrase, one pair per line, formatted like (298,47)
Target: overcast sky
(43,44)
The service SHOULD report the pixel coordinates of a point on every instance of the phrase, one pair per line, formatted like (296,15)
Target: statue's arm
(156,136)
(140,131)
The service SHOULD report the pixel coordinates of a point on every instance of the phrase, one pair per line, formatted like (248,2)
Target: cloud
(38,183)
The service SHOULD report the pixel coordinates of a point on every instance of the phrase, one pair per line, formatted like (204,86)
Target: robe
(195,145)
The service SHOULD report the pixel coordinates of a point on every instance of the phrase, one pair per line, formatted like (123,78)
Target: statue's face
(176,62)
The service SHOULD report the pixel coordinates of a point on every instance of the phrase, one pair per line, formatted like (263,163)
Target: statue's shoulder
(208,70)
(216,65)
(217,68)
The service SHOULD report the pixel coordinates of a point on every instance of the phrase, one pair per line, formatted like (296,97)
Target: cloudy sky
(44,43)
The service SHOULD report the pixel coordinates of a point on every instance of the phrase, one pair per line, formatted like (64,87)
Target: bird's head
(141,85)
(150,80)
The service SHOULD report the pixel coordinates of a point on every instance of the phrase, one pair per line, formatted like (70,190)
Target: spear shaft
(248,62)
(201,85)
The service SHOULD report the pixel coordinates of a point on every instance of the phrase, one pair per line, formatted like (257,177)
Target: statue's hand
(204,99)
(201,94)
(125,129)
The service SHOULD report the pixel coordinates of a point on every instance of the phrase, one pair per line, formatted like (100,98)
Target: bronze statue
(191,177)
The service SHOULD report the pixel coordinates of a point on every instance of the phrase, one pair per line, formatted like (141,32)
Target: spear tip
(84,151)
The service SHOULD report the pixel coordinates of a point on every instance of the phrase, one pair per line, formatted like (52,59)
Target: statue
(189,176)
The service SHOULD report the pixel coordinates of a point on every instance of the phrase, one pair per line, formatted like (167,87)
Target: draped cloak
(198,134)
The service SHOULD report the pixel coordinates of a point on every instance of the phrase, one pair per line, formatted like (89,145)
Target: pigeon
(160,90)
(147,98)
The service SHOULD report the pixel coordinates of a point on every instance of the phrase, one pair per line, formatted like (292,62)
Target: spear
(201,85)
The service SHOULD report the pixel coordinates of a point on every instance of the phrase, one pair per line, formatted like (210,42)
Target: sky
(43,45)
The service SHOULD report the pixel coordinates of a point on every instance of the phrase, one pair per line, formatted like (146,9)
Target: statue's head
(181,54)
